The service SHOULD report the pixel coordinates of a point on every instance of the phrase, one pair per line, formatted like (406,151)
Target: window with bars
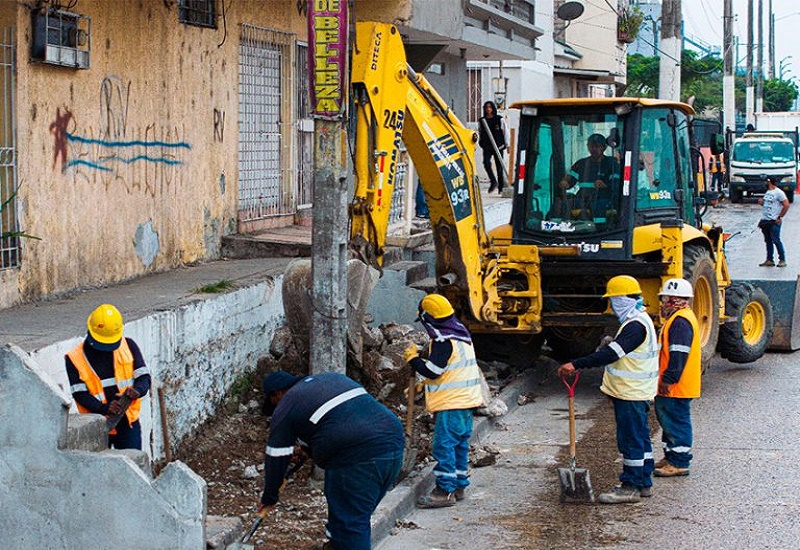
(201,13)
(9,221)
(474,94)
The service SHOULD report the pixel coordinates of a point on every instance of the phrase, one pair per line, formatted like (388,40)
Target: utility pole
(749,95)
(669,76)
(771,50)
(760,71)
(328,30)
(728,79)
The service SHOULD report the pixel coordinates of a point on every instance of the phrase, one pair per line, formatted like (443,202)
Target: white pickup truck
(755,155)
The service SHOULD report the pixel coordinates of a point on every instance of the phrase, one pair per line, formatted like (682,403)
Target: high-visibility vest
(459,386)
(716,164)
(634,377)
(689,384)
(123,377)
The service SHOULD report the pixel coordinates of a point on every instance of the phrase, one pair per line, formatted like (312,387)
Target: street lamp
(781,66)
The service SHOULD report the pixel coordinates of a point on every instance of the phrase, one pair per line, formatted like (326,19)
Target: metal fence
(9,224)
(266,91)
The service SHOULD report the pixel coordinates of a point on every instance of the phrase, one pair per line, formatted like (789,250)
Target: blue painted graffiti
(101,162)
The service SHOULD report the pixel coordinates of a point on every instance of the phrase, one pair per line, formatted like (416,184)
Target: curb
(400,501)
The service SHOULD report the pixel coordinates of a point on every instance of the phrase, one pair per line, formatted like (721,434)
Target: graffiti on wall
(219,125)
(145,158)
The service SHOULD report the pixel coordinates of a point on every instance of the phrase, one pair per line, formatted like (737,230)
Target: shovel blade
(576,485)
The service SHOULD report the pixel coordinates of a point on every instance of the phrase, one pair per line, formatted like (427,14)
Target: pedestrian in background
(774,206)
(679,373)
(491,126)
(348,433)
(452,392)
(103,368)
(630,380)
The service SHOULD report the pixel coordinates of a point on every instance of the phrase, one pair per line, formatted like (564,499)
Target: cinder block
(415,271)
(139,457)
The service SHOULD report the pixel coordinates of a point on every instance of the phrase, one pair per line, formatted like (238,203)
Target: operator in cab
(597,178)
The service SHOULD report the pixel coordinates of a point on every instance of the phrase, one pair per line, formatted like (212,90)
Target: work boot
(782,263)
(661,463)
(670,471)
(767,263)
(646,492)
(459,494)
(620,494)
(492,187)
(437,498)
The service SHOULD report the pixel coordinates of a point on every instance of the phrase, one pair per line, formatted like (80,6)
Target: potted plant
(629,23)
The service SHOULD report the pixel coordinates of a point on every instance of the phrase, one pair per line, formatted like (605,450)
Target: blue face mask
(624,306)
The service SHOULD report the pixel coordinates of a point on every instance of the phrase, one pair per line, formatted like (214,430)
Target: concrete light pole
(669,77)
(728,79)
(749,91)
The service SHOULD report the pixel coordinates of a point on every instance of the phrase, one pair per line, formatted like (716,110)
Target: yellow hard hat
(436,305)
(622,285)
(105,324)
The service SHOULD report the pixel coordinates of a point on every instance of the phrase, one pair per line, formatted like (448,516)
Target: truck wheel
(570,343)
(698,269)
(517,350)
(736,195)
(745,337)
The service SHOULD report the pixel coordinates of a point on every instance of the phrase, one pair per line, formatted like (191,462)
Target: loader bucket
(785,300)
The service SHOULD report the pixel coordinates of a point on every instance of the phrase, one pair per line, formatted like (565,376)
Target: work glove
(604,341)
(410,353)
(132,393)
(115,407)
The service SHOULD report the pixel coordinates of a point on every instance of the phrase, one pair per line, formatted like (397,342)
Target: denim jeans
(353,493)
(772,236)
(675,416)
(450,448)
(633,441)
(127,436)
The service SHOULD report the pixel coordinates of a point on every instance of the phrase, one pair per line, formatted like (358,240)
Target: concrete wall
(594,35)
(62,499)
(152,80)
(195,352)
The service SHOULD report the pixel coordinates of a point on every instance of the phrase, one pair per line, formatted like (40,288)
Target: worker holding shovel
(349,434)
(631,381)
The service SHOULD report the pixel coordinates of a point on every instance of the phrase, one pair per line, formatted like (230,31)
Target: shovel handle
(571,395)
(571,387)
(412,383)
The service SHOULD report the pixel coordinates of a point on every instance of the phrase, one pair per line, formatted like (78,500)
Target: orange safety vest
(123,377)
(716,164)
(689,384)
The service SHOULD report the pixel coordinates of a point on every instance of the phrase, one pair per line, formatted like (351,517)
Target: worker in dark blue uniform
(348,433)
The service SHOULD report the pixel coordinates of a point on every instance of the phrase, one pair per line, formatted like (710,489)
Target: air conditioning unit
(61,38)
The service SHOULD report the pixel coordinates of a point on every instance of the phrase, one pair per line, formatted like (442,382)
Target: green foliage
(215,288)
(12,234)
(779,95)
(642,76)
(701,77)
(630,21)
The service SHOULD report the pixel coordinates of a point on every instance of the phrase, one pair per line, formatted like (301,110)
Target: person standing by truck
(491,127)
(774,206)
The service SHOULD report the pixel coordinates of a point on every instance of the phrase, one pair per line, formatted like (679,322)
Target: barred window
(201,13)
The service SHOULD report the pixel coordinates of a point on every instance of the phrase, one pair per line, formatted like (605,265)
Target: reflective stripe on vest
(123,372)
(634,377)
(689,384)
(335,402)
(459,386)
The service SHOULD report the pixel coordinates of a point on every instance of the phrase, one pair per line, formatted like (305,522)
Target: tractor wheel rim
(753,323)
(702,308)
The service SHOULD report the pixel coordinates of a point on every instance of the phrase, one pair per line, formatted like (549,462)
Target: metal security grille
(397,211)
(266,179)
(9,224)
(305,132)
(197,12)
(474,94)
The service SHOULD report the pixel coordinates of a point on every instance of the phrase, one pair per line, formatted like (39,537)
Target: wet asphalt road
(744,487)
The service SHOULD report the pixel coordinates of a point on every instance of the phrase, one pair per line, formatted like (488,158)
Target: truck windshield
(763,151)
(573,175)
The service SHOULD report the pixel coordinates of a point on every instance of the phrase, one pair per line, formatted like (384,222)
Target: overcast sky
(703,19)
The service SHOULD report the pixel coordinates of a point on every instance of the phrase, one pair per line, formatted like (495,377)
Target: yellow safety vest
(689,384)
(459,386)
(634,377)
(123,377)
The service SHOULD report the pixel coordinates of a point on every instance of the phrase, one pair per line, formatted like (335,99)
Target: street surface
(742,491)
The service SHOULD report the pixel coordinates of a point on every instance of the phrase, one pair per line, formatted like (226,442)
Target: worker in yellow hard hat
(108,376)
(452,392)
(631,381)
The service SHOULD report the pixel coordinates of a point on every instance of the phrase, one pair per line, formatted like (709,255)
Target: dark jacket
(497,129)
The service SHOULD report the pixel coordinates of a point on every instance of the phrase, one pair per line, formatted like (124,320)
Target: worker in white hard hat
(104,368)
(678,377)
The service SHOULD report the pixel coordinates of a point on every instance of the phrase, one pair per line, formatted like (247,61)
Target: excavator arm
(393,103)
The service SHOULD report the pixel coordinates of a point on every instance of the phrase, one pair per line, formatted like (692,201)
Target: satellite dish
(569,11)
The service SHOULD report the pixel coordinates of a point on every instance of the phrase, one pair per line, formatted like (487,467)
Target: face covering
(625,306)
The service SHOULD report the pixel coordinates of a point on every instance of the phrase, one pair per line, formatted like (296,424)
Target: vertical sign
(327,33)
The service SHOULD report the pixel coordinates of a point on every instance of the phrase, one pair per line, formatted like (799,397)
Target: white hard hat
(677,287)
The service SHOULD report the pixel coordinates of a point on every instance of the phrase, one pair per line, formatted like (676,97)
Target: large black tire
(745,337)
(698,269)
(570,343)
(736,195)
(519,351)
